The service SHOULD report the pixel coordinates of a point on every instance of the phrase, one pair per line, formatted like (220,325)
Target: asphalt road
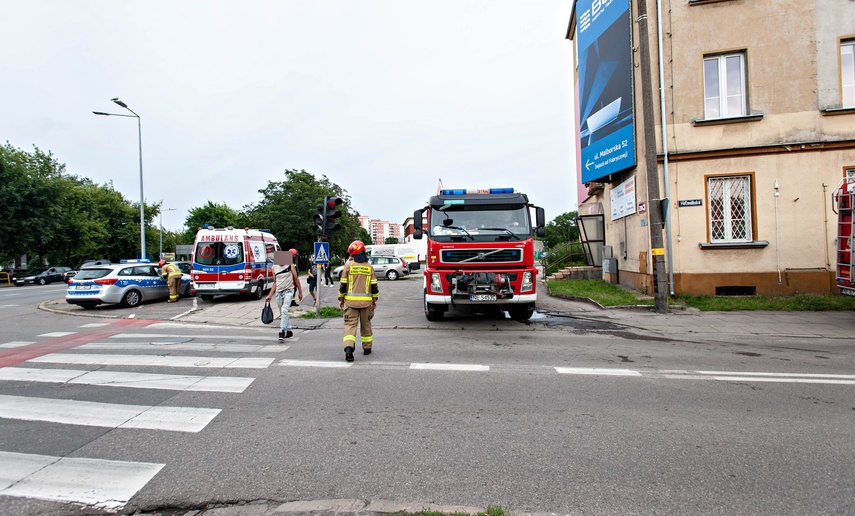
(559,415)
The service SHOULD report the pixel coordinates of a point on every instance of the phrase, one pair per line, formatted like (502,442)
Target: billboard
(606,116)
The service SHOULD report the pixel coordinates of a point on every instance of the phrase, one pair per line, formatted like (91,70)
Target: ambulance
(229,261)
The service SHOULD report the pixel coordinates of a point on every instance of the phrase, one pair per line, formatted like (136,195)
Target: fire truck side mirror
(540,219)
(417,224)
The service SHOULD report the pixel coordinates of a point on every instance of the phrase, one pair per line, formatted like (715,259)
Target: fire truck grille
(481,256)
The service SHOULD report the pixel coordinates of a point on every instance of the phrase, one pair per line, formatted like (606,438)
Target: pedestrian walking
(312,281)
(357,295)
(172,274)
(283,288)
(328,275)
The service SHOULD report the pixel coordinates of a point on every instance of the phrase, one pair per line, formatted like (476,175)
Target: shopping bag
(267,313)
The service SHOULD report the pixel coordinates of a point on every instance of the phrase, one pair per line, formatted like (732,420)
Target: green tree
(392,240)
(562,229)
(213,214)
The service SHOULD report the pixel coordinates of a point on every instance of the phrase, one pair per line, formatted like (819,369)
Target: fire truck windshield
(480,222)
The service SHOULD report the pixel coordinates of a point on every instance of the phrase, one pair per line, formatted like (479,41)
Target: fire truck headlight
(526,282)
(435,283)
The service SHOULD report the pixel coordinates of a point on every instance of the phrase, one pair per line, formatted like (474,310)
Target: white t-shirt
(284,277)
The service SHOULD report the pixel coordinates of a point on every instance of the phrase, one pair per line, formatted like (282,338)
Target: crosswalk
(109,355)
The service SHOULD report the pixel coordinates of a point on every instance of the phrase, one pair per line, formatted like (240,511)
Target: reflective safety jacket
(358,285)
(171,270)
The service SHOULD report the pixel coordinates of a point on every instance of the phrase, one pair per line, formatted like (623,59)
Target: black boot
(366,351)
(348,353)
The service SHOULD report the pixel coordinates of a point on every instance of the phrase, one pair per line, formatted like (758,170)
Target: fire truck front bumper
(480,299)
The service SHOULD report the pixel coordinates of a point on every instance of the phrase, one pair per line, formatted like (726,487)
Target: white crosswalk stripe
(128,379)
(16,344)
(105,484)
(155,360)
(110,415)
(190,346)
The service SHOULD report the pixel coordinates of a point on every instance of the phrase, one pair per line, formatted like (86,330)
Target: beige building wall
(796,134)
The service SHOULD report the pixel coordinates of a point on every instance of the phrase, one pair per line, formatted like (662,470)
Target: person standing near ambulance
(172,274)
(283,287)
(357,295)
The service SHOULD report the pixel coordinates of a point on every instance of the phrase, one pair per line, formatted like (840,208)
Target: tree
(562,229)
(392,240)
(212,214)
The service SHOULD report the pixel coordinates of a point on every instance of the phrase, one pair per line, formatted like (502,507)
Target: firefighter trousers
(361,317)
(174,283)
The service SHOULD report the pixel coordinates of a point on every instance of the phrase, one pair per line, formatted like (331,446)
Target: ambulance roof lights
(469,191)
(137,260)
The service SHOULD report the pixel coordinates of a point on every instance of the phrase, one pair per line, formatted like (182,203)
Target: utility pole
(651,163)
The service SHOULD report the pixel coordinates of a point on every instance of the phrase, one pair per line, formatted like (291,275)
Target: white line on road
(186,336)
(155,360)
(110,415)
(783,375)
(94,325)
(450,367)
(57,334)
(126,379)
(313,363)
(597,371)
(106,484)
(157,345)
(15,344)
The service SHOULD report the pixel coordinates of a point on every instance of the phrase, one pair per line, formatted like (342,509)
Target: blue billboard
(606,116)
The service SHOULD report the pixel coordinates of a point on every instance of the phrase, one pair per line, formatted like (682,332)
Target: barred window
(729,201)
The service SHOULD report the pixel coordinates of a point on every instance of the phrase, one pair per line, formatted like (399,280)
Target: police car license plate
(482,297)
(847,291)
(84,287)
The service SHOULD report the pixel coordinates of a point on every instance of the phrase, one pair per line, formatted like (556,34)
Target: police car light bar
(467,191)
(137,260)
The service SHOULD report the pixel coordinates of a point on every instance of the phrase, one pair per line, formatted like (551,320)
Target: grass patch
(607,294)
(807,302)
(327,312)
(603,293)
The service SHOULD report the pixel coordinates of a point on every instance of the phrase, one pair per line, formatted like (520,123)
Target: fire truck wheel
(433,312)
(522,312)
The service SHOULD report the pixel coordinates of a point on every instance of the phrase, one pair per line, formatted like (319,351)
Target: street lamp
(161,229)
(142,197)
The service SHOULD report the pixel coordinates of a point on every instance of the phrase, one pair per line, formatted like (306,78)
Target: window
(724,86)
(847,73)
(729,201)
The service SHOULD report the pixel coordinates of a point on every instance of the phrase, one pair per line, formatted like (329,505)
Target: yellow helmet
(356,247)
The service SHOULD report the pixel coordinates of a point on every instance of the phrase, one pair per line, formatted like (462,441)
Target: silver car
(389,267)
(128,283)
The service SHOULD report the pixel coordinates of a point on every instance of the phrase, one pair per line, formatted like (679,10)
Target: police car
(129,283)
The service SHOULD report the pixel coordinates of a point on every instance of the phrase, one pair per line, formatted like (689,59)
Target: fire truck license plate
(847,291)
(482,297)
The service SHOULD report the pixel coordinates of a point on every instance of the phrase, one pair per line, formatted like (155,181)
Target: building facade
(758,100)
(380,230)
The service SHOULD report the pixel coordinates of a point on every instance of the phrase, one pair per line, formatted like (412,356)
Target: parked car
(389,267)
(128,283)
(42,276)
(184,266)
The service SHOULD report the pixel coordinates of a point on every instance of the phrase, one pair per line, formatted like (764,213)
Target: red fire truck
(844,201)
(480,252)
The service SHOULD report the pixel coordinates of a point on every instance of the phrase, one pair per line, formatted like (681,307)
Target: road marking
(126,379)
(186,336)
(8,306)
(15,344)
(450,367)
(155,360)
(106,484)
(110,415)
(94,325)
(313,363)
(783,375)
(597,371)
(57,334)
(183,346)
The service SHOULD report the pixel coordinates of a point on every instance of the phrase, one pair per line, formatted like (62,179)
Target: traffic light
(319,219)
(330,214)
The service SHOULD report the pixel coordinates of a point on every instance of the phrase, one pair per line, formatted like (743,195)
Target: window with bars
(729,201)
(725,86)
(847,73)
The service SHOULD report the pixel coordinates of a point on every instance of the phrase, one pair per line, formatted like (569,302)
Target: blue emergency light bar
(137,260)
(467,191)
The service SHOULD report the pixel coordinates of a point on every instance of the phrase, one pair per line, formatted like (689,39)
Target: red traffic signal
(330,214)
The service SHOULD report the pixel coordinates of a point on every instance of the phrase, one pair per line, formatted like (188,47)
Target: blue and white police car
(129,283)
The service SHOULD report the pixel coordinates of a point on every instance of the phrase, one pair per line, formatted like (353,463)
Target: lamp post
(161,229)
(142,196)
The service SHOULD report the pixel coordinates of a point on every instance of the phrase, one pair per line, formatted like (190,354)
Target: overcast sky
(382,97)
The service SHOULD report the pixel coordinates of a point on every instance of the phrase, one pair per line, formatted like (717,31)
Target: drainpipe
(665,151)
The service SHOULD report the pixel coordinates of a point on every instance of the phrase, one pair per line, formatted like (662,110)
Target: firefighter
(172,274)
(357,292)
